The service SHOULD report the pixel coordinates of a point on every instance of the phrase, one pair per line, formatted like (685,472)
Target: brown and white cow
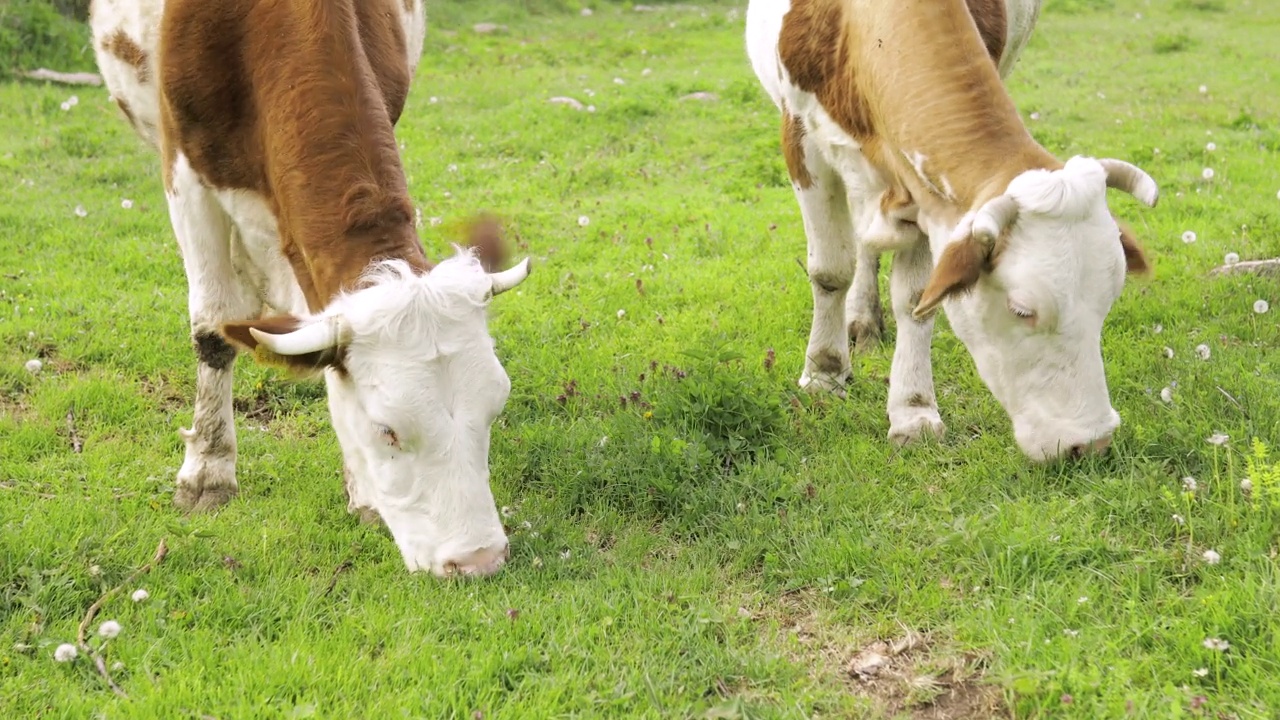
(274,124)
(899,135)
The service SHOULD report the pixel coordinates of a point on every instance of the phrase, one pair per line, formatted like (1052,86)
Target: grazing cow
(899,134)
(274,124)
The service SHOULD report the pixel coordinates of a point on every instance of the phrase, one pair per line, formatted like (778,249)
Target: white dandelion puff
(619,81)
(1035,116)
(433,99)
(1189,484)
(1211,557)
(1157,329)
(1261,306)
(453,167)
(1168,352)
(587,12)
(1218,439)
(1216,644)
(1189,237)
(66,652)
(80,211)
(65,106)
(1202,351)
(1207,173)
(1082,599)
(126,203)
(583,221)
(1204,89)
(139,595)
(109,629)
(34,366)
(1211,147)
(1070,633)
(1246,485)
(646,71)
(1179,520)
(1166,394)
(1230,258)
(622,314)
(591,108)
(1200,672)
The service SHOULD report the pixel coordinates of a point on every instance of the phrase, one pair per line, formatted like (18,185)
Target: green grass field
(646,580)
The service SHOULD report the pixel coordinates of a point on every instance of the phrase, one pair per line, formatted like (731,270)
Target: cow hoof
(916,428)
(866,333)
(820,382)
(203,497)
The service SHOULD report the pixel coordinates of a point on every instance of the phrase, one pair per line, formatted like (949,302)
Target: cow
(899,135)
(273,121)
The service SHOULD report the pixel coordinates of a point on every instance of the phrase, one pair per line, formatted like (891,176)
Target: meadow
(691,534)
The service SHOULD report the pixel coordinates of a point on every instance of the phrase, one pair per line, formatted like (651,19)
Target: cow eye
(1022,312)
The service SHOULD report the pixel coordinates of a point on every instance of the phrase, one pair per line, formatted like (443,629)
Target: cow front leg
(829,233)
(913,406)
(215,294)
(862,307)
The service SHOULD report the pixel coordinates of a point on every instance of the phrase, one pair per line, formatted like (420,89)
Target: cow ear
(956,272)
(302,347)
(1135,261)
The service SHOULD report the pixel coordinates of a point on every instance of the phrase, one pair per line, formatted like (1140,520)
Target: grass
(691,537)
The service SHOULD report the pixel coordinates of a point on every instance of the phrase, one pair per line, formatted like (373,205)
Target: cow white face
(1027,282)
(414,386)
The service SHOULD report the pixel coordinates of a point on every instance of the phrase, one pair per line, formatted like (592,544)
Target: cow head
(414,386)
(1027,281)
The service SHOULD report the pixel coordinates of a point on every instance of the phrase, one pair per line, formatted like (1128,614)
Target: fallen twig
(333,582)
(78,78)
(1265,268)
(76,445)
(161,550)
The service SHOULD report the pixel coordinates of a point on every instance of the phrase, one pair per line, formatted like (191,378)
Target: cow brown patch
(793,151)
(919,400)
(123,47)
(829,362)
(212,350)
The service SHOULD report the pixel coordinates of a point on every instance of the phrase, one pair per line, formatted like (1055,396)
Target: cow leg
(913,407)
(215,294)
(862,306)
(829,231)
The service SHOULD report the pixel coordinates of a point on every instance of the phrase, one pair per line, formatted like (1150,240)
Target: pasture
(691,534)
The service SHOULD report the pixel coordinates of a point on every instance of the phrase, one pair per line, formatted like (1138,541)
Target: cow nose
(477,563)
(1095,447)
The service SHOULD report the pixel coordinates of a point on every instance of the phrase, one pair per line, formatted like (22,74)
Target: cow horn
(509,278)
(322,334)
(994,217)
(1131,179)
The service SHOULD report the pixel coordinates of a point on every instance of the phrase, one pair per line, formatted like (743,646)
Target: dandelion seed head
(1212,557)
(1261,306)
(1207,173)
(1189,236)
(1166,394)
(1035,116)
(1070,633)
(1246,485)
(126,203)
(621,313)
(1082,599)
(139,595)
(1217,644)
(1204,89)
(583,221)
(80,211)
(109,629)
(66,652)
(1218,439)
(1202,351)
(1200,672)
(1168,352)
(34,366)
(1211,147)
(1230,259)
(1189,484)
(1179,520)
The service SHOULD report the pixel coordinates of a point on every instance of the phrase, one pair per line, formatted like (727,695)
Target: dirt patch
(912,675)
(908,676)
